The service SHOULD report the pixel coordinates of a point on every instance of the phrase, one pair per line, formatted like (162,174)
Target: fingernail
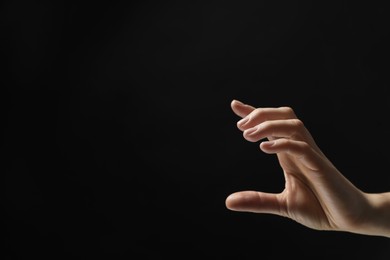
(268,144)
(250,131)
(243,121)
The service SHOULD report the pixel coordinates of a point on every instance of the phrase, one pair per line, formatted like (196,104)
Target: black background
(119,141)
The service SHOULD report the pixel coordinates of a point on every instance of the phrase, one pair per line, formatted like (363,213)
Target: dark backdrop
(119,139)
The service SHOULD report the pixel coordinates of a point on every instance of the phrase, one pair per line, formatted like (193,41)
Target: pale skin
(316,193)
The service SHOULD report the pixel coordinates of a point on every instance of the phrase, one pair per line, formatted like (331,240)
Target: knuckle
(298,124)
(288,110)
(285,142)
(305,146)
(259,111)
(297,128)
(266,124)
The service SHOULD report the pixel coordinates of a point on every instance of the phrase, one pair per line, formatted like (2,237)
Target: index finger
(240,108)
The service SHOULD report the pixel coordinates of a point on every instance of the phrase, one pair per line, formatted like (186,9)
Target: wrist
(376,220)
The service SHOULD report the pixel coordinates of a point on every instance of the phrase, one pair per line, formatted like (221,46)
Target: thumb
(255,201)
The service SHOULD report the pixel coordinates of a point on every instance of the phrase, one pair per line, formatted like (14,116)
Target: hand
(316,194)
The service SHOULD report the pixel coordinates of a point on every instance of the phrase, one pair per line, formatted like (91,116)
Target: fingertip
(238,108)
(232,200)
(267,144)
(228,203)
(232,196)
(233,103)
(241,109)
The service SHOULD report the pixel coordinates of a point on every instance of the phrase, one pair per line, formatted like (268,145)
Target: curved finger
(255,201)
(302,151)
(260,115)
(277,129)
(240,108)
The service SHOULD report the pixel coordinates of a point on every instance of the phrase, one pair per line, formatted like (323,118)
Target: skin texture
(316,194)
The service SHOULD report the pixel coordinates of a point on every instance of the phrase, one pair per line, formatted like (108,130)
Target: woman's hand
(316,194)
